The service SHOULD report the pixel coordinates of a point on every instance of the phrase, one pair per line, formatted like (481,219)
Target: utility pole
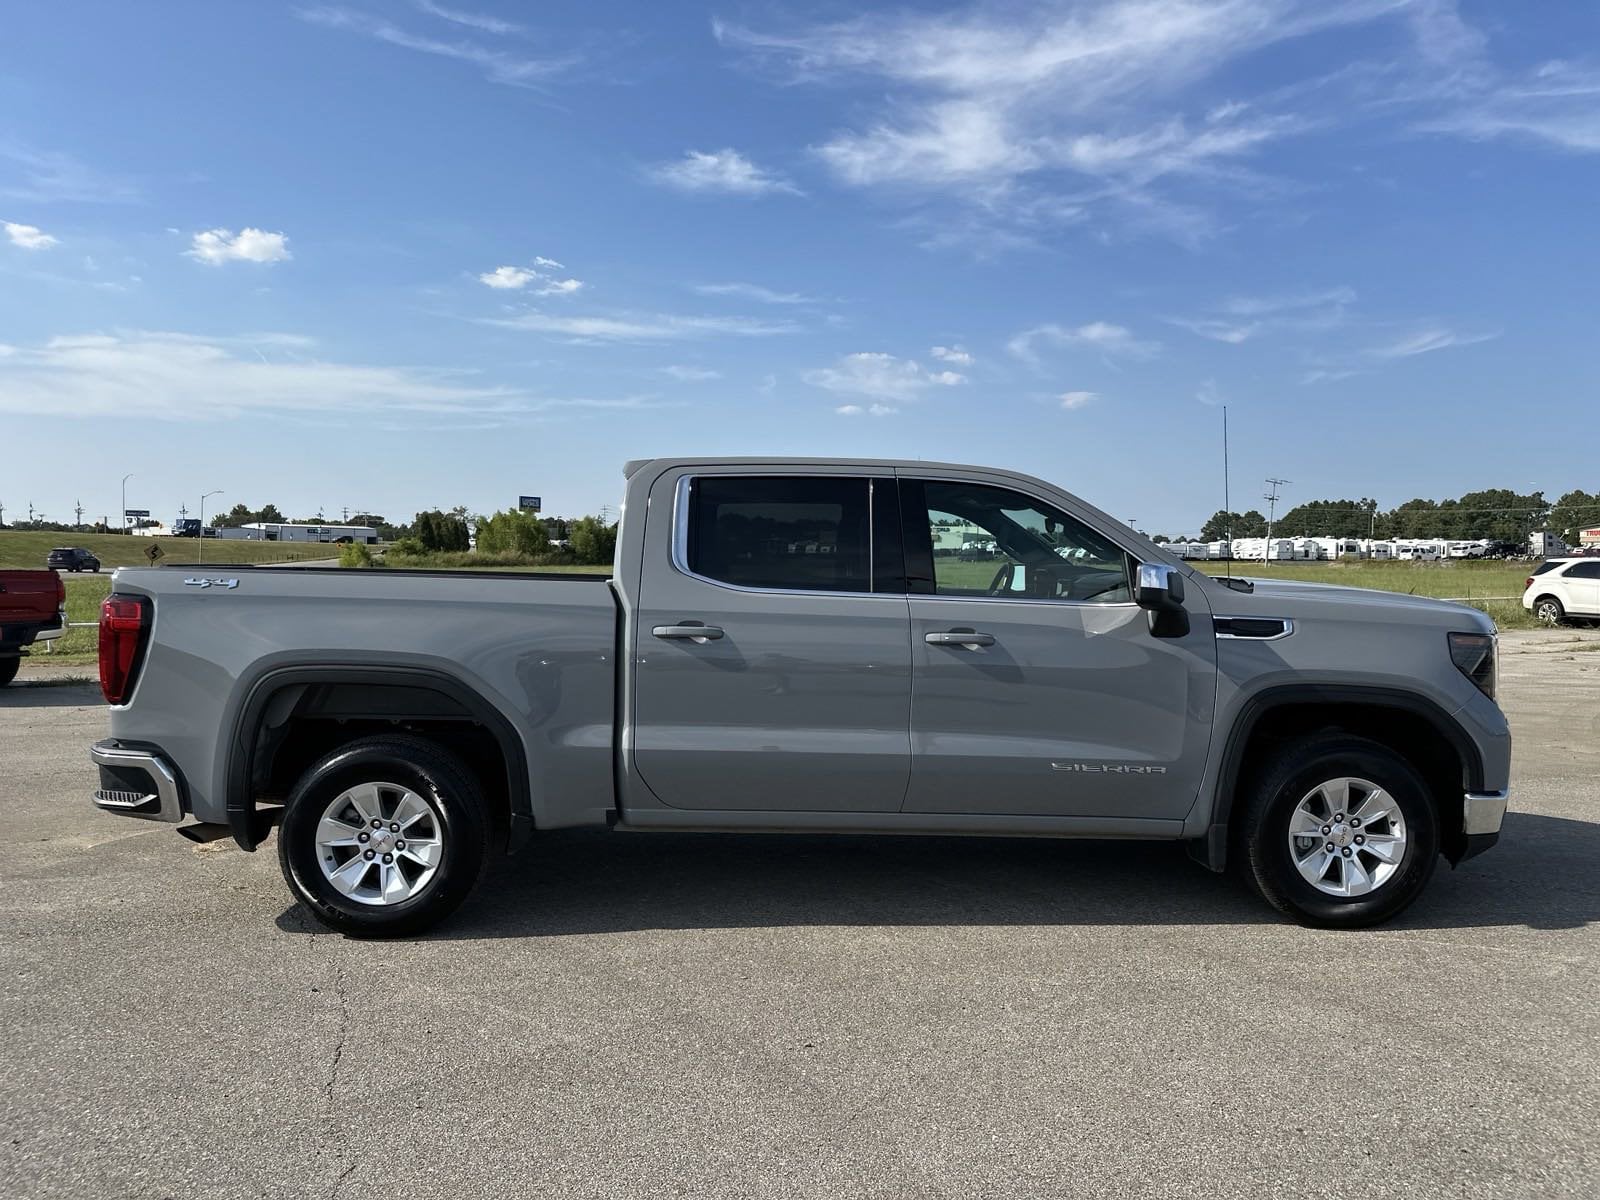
(1372,522)
(79,512)
(200,541)
(1271,497)
(124,517)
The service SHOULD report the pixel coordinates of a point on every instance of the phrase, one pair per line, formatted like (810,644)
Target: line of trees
(1497,514)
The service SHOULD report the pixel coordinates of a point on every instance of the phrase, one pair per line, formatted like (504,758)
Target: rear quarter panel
(540,651)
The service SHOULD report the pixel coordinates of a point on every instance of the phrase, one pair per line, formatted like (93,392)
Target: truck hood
(1292,594)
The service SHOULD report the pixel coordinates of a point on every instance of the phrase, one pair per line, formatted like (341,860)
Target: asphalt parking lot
(647,1015)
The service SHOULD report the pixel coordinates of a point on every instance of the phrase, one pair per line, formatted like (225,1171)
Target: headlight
(1474,656)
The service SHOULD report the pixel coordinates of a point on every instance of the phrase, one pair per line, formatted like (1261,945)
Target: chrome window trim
(1286,622)
(680,536)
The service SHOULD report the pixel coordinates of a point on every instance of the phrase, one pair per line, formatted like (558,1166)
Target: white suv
(1562,588)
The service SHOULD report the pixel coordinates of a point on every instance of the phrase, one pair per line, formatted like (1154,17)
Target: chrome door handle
(700,633)
(959,637)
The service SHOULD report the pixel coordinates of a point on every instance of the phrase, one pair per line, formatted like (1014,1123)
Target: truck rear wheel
(1339,832)
(8,668)
(385,836)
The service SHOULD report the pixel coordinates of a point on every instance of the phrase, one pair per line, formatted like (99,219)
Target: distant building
(275,531)
(1589,537)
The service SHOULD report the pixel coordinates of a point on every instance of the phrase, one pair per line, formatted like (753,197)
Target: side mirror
(1160,594)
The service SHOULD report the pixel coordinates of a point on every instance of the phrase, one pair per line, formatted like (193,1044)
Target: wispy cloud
(482,22)
(752,291)
(880,375)
(1557,104)
(1426,341)
(641,327)
(952,354)
(868,410)
(217,246)
(497,65)
(181,377)
(1241,318)
(1112,341)
(685,374)
(28,237)
(724,170)
(49,177)
(1073,400)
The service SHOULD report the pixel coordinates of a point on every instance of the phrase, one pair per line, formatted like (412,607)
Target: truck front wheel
(8,668)
(385,836)
(1339,832)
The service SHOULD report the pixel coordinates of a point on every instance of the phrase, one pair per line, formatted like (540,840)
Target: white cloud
(723,170)
(952,354)
(880,375)
(184,378)
(691,374)
(1071,400)
(498,66)
(217,246)
(642,327)
(1113,341)
(751,291)
(1425,341)
(541,261)
(28,237)
(508,278)
(1208,394)
(871,410)
(1244,317)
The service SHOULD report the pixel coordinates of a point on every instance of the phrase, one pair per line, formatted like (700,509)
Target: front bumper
(136,782)
(1482,814)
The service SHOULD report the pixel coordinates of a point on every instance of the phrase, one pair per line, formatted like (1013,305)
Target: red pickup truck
(33,607)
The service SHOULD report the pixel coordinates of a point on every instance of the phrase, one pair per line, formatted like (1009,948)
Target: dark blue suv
(72,558)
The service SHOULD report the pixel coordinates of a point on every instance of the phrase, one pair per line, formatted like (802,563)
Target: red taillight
(1527,583)
(123,622)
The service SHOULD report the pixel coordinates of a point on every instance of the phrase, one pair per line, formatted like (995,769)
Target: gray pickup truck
(807,645)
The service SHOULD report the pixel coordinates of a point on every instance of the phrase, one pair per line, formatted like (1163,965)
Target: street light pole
(125,479)
(200,547)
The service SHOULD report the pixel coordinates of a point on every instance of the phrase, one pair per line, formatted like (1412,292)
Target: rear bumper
(1482,814)
(137,782)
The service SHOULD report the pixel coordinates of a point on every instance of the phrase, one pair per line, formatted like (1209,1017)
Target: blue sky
(398,255)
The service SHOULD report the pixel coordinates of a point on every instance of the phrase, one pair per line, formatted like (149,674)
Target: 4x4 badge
(230,584)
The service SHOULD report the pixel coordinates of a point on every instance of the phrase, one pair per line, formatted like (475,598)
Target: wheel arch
(1412,725)
(364,694)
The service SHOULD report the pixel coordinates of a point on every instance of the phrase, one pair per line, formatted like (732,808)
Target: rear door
(1583,586)
(772,659)
(1039,687)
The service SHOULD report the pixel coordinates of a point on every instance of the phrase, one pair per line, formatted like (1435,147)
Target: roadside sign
(139,513)
(154,553)
(531,503)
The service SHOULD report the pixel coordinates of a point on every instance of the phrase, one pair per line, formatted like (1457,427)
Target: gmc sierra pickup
(796,644)
(33,608)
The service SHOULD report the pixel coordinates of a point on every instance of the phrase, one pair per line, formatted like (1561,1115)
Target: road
(646,1015)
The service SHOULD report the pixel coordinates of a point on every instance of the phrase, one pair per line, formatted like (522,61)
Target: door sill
(945,824)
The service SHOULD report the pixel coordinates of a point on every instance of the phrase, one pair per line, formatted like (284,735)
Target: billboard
(530,503)
(136,513)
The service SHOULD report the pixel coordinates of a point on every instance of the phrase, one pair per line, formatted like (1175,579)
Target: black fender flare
(249,826)
(1212,849)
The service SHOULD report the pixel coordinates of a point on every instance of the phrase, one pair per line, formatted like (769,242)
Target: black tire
(467,827)
(1558,613)
(8,668)
(1291,774)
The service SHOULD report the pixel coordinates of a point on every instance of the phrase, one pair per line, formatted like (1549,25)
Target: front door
(1039,687)
(797,694)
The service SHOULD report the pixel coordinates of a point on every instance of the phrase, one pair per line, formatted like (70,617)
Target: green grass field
(27,549)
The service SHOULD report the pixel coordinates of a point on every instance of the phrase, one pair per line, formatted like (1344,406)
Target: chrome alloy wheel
(1548,612)
(379,843)
(1347,837)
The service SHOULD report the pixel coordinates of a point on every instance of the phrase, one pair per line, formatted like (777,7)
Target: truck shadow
(1540,876)
(52,694)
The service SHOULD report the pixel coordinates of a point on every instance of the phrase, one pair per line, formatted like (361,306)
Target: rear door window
(795,532)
